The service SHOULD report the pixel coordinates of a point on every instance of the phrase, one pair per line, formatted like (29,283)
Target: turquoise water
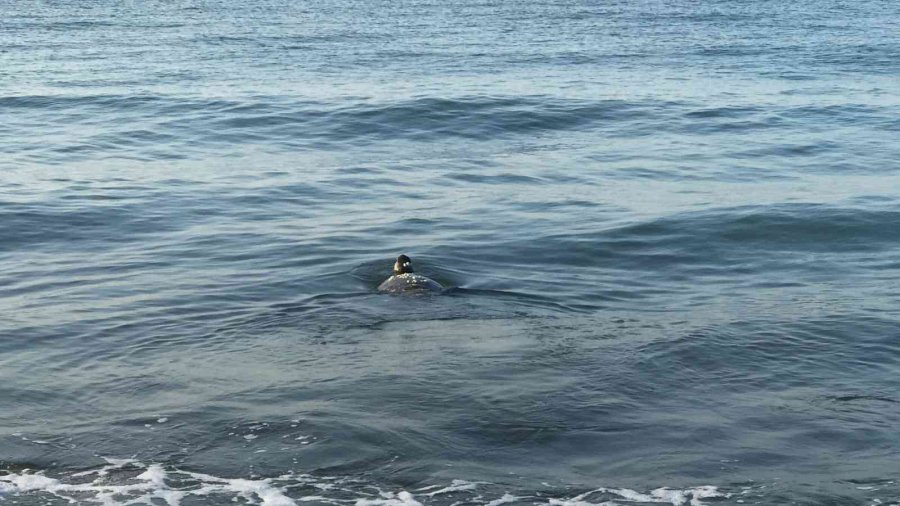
(669,232)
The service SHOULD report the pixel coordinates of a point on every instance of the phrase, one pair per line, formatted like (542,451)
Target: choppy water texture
(670,232)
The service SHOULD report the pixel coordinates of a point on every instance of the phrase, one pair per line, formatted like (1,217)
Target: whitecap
(455,486)
(403,498)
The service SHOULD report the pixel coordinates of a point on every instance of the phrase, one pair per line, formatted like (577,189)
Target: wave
(148,104)
(159,127)
(127,481)
(751,237)
(147,125)
(429,117)
(101,224)
(153,127)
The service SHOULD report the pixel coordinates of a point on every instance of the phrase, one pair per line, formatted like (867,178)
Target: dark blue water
(669,232)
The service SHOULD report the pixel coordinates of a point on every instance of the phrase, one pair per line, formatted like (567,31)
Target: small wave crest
(150,127)
(752,237)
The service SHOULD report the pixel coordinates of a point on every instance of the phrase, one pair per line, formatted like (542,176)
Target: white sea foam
(149,484)
(30,482)
(573,502)
(455,486)
(503,500)
(676,497)
(269,494)
(127,482)
(403,498)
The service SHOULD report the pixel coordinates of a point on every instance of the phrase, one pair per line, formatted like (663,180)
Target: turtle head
(403,265)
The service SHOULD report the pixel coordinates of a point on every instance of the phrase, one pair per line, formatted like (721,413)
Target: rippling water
(669,230)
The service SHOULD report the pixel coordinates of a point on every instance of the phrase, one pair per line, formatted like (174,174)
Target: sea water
(669,232)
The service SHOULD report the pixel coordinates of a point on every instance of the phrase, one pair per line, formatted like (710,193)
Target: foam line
(403,498)
(126,482)
(455,486)
(149,484)
(675,497)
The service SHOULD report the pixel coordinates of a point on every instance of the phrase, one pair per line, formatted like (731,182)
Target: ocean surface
(669,232)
